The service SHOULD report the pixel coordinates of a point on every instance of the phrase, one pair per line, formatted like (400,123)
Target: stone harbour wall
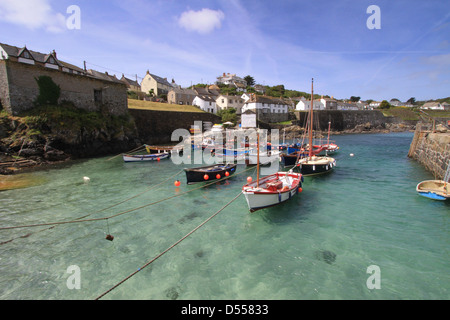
(432,150)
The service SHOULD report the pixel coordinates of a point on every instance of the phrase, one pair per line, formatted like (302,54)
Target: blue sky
(277,42)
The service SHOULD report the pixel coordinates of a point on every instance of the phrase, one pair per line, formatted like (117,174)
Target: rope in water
(168,249)
(80,220)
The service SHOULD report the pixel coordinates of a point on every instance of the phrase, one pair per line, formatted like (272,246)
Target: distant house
(304,105)
(260,88)
(205,102)
(232,79)
(132,85)
(434,105)
(87,89)
(347,106)
(318,104)
(226,102)
(155,84)
(268,109)
(375,104)
(181,96)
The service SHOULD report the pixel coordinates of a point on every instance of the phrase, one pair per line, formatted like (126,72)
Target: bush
(49,91)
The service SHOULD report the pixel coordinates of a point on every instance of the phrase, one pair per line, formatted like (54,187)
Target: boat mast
(311,120)
(257,159)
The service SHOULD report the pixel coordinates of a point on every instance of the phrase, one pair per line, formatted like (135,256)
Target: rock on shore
(37,140)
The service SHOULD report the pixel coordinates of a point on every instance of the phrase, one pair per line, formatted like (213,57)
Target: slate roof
(13,51)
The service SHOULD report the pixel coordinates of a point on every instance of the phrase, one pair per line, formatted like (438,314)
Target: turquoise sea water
(317,246)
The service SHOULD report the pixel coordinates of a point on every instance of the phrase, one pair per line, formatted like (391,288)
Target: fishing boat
(436,189)
(145,157)
(293,154)
(314,164)
(271,190)
(209,173)
(330,147)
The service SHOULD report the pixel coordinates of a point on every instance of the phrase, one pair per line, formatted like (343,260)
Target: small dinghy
(145,157)
(434,189)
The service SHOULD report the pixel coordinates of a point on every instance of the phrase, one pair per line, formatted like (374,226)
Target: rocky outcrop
(49,138)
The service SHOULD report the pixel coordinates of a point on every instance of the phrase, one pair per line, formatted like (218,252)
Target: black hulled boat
(209,173)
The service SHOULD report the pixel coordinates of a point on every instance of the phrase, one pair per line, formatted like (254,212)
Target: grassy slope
(157,106)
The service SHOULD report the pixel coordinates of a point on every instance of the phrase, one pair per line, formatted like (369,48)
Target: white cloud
(203,21)
(33,14)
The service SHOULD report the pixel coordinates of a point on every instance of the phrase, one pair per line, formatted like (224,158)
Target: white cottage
(206,103)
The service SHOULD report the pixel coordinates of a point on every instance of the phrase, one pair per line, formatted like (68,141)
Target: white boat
(264,157)
(329,148)
(145,157)
(434,189)
(272,190)
(231,155)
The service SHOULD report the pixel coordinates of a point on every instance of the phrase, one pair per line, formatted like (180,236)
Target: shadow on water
(296,209)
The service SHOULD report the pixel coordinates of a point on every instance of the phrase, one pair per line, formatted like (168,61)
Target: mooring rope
(80,220)
(101,210)
(168,249)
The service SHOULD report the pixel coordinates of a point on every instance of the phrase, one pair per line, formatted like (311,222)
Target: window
(26,55)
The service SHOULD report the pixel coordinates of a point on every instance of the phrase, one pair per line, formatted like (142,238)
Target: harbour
(319,245)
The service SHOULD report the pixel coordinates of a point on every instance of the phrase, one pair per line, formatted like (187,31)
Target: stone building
(182,96)
(155,84)
(86,89)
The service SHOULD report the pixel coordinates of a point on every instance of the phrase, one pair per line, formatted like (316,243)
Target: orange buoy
(227,174)
(249,179)
(218,176)
(300,190)
(158,159)
(177,183)
(206,177)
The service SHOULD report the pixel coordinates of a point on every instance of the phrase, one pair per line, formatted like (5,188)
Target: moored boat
(434,189)
(209,173)
(314,164)
(145,157)
(272,190)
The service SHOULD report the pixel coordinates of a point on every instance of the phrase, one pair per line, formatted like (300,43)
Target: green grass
(157,106)
(403,113)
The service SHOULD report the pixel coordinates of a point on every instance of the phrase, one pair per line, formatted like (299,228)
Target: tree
(411,100)
(355,99)
(384,105)
(250,81)
(228,115)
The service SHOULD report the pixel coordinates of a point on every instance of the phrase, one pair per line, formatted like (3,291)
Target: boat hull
(145,157)
(434,189)
(316,165)
(264,197)
(264,158)
(197,175)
